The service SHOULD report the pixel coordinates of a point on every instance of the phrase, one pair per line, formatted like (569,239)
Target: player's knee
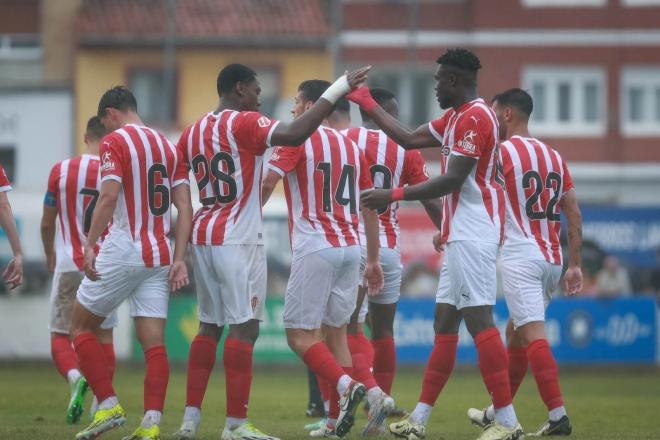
(210,330)
(247,331)
(478,319)
(297,342)
(531,332)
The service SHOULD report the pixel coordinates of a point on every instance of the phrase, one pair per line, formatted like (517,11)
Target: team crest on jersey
(276,155)
(106,162)
(467,143)
(263,122)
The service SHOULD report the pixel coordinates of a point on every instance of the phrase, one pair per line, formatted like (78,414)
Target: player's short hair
(516,98)
(118,97)
(232,74)
(95,130)
(381,96)
(460,58)
(342,106)
(312,89)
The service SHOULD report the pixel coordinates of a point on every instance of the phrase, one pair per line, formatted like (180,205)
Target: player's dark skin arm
(458,169)
(433,209)
(294,133)
(409,139)
(48,235)
(103,211)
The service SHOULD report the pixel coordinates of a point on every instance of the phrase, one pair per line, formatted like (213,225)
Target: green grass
(603,404)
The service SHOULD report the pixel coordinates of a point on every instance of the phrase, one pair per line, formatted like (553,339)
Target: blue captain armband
(50,199)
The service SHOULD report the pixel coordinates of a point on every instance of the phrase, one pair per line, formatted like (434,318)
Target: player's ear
(239,88)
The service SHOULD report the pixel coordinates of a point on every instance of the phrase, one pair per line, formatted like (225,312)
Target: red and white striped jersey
(536,178)
(147,165)
(4,181)
(390,166)
(225,152)
(476,212)
(73,186)
(322,180)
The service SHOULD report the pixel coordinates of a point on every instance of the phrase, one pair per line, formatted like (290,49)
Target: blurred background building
(592,66)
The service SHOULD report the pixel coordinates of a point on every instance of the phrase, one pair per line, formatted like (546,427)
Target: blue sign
(632,234)
(584,331)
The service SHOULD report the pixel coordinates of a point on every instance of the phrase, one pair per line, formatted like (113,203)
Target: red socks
(360,349)
(237,358)
(324,387)
(201,361)
(493,364)
(156,378)
(93,365)
(109,352)
(384,362)
(439,367)
(517,367)
(545,372)
(321,361)
(63,355)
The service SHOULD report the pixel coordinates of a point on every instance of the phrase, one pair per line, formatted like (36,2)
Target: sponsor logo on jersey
(107,163)
(467,143)
(263,122)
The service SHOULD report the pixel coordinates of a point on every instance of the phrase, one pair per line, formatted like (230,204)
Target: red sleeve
(112,157)
(53,179)
(437,127)
(182,169)
(4,180)
(284,159)
(253,131)
(414,168)
(473,135)
(365,176)
(568,181)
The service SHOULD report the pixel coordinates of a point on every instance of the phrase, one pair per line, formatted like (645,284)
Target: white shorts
(62,296)
(322,288)
(146,288)
(528,287)
(390,262)
(468,277)
(230,282)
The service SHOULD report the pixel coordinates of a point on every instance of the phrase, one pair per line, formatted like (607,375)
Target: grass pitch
(602,404)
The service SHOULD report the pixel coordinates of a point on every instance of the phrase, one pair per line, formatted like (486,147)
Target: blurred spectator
(417,280)
(613,279)
(655,277)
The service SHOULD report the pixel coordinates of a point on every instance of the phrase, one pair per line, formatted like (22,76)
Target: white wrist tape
(338,89)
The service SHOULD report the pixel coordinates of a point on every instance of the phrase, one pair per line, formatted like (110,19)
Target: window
(20,60)
(269,80)
(415,93)
(8,161)
(564,3)
(640,101)
(148,86)
(567,101)
(640,2)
